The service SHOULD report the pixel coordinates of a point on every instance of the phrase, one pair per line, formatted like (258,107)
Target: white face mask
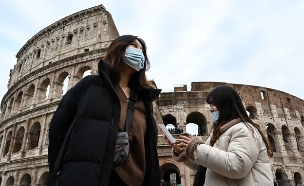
(215,116)
(135,58)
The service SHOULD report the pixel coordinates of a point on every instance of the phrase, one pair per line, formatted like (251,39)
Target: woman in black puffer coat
(84,128)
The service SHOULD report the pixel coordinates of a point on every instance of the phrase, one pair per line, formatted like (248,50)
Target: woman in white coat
(236,152)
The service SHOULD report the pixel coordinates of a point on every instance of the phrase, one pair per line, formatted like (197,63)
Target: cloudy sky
(243,42)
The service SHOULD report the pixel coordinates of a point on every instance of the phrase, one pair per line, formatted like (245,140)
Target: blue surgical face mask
(215,116)
(135,58)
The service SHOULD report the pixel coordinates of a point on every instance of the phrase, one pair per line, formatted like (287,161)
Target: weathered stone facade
(61,52)
(279,114)
(65,50)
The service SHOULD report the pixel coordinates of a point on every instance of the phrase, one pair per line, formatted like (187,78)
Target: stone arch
(10,181)
(271,136)
(19,139)
(286,138)
(43,90)
(82,71)
(252,112)
(29,95)
(26,180)
(10,106)
(18,101)
(7,143)
(299,139)
(61,84)
(200,120)
(298,179)
(169,119)
(167,169)
(3,109)
(33,137)
(44,178)
(281,178)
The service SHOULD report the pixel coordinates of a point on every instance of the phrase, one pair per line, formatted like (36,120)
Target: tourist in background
(83,130)
(235,153)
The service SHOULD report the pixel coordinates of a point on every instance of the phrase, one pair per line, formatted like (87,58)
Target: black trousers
(115,180)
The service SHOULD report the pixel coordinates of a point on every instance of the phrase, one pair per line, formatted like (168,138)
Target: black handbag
(199,178)
(122,142)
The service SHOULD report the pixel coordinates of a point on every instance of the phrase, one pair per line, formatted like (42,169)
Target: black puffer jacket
(92,109)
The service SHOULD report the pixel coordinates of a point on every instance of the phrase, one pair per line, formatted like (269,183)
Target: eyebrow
(134,43)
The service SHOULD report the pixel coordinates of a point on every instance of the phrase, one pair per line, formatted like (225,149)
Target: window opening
(69,39)
(38,53)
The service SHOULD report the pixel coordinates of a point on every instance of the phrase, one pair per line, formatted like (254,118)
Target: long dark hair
(230,107)
(115,59)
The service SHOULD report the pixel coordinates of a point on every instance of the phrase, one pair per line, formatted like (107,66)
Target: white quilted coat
(236,159)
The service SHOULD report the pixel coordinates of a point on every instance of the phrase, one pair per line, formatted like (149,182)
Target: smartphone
(185,134)
(167,133)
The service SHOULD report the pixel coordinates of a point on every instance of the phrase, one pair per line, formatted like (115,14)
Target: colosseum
(58,56)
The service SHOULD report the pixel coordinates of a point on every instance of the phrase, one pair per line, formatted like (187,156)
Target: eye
(133,44)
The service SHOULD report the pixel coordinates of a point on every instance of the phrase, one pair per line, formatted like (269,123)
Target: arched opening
(43,180)
(26,180)
(82,72)
(271,136)
(298,179)
(7,143)
(86,73)
(200,120)
(170,174)
(43,90)
(10,181)
(34,134)
(10,106)
(18,101)
(4,109)
(169,119)
(29,95)
(61,84)
(0,180)
(281,178)
(286,138)
(302,121)
(299,139)
(65,85)
(18,140)
(171,125)
(192,128)
(272,143)
(252,112)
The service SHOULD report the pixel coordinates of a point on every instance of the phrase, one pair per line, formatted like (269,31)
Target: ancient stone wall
(279,114)
(57,55)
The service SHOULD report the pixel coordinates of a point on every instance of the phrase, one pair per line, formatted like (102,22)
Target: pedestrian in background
(236,152)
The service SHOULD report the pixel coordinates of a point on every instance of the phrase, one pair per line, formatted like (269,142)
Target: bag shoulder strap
(130,111)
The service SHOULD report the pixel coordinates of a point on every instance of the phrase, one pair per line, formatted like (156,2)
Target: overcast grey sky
(243,42)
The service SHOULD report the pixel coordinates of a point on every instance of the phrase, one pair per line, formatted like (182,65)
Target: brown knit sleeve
(192,145)
(179,156)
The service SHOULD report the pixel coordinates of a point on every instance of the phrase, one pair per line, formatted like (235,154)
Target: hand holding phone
(167,133)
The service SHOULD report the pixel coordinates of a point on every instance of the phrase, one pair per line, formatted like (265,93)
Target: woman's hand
(183,141)
(180,144)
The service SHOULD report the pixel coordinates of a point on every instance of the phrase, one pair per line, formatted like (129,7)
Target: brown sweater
(132,171)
